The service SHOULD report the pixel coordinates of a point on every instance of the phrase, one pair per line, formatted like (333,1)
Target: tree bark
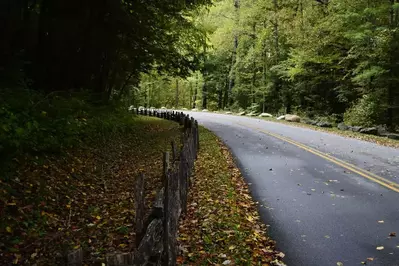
(253,64)
(195,94)
(390,94)
(234,54)
(177,93)
(204,95)
(191,94)
(276,31)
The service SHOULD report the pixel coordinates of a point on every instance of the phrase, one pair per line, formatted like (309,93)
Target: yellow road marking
(366,174)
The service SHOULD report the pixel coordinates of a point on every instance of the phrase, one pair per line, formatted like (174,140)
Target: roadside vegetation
(381,140)
(222,224)
(68,175)
(333,61)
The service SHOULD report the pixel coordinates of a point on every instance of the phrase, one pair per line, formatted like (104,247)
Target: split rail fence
(156,236)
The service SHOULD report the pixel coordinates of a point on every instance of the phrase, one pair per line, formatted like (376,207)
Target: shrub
(254,108)
(34,123)
(367,112)
(212,106)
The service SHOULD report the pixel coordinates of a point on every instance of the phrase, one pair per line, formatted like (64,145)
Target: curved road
(326,198)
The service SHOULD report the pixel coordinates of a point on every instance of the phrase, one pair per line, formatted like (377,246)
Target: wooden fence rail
(156,237)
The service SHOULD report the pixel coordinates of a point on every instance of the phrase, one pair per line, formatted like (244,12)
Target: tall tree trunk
(264,70)
(220,98)
(204,74)
(195,94)
(177,94)
(390,94)
(226,93)
(204,95)
(191,95)
(276,31)
(253,63)
(234,54)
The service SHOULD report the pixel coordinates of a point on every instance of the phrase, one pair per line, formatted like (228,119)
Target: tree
(98,46)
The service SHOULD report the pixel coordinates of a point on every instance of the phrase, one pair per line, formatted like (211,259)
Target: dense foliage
(101,46)
(332,58)
(62,62)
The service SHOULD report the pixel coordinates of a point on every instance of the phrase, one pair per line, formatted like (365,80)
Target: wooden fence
(156,236)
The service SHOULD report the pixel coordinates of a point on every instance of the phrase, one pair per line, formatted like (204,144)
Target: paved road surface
(313,190)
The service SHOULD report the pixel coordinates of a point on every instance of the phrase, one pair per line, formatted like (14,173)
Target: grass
(81,197)
(222,224)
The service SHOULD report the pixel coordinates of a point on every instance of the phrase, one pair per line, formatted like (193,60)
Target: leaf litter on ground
(84,198)
(227,228)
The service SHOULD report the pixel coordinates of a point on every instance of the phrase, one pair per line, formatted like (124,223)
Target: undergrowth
(34,123)
(68,170)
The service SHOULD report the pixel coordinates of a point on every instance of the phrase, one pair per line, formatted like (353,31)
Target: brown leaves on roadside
(84,198)
(222,224)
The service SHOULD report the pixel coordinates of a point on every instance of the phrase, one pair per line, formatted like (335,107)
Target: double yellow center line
(366,174)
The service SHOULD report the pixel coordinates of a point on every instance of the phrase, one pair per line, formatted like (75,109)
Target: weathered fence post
(197,146)
(186,118)
(183,175)
(170,219)
(165,164)
(174,151)
(139,201)
(181,121)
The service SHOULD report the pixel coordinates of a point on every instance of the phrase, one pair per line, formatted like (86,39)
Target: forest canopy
(101,46)
(336,59)
(326,58)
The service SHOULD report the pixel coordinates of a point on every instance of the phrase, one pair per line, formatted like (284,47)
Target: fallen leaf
(281,255)
(380,248)
(381,222)
(179,260)
(232,247)
(392,234)
(340,263)
(8,229)
(226,262)
(370,259)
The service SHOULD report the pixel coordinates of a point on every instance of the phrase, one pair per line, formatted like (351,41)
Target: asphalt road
(322,195)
